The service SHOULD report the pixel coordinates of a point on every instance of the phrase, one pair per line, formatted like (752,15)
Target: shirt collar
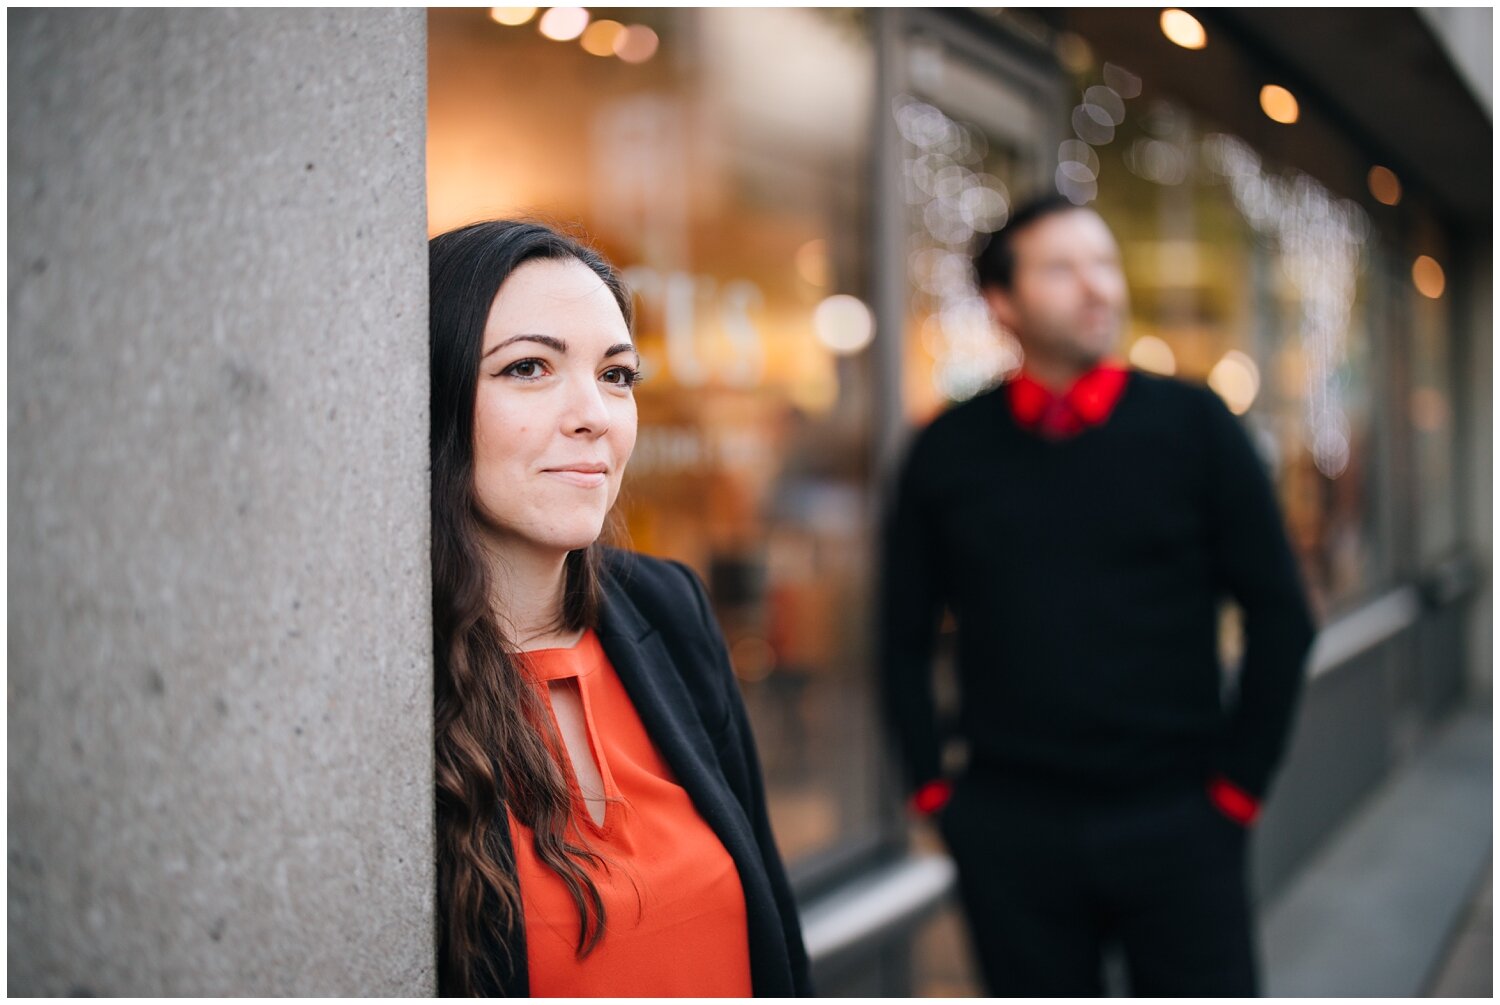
(1090,400)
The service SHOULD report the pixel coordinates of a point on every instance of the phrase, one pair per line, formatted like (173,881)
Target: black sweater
(1085,577)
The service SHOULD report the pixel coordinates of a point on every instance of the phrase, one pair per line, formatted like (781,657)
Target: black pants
(1048,877)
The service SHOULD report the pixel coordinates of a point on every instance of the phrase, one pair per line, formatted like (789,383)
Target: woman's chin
(537,541)
(576,539)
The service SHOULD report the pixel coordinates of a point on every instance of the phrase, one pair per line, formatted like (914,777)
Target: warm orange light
(1384,185)
(811,261)
(1153,355)
(1279,104)
(599,38)
(1427,276)
(636,44)
(1181,28)
(512,16)
(1074,53)
(1236,379)
(563,24)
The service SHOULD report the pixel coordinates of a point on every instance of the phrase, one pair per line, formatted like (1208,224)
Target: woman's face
(554,412)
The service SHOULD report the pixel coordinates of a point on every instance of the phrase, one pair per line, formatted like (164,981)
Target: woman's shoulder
(665,591)
(666,598)
(651,578)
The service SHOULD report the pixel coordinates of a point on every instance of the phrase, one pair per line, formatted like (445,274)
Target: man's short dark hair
(995,263)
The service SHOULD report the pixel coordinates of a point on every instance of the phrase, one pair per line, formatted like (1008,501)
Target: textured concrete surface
(1374,913)
(219,628)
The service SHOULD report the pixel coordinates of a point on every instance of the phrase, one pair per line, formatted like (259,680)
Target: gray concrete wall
(219,634)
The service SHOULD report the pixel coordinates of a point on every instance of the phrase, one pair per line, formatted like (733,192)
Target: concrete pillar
(219,602)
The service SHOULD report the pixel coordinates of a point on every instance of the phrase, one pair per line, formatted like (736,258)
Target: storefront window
(1429,408)
(722,163)
(1253,281)
(968,145)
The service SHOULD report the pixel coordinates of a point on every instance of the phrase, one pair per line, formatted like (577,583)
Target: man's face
(1067,301)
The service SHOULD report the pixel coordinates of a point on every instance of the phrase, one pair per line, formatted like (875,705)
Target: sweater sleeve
(910,605)
(1256,563)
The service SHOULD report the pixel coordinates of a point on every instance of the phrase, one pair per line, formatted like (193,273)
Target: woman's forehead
(558,297)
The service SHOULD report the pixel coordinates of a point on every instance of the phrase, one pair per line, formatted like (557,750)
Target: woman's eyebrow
(556,344)
(620,347)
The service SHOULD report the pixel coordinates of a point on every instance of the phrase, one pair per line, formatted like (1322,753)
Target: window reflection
(956,180)
(1256,282)
(1428,408)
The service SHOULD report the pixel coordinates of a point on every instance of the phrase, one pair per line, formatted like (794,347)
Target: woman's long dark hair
(496,746)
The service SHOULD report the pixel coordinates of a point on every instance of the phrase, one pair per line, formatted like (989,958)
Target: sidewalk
(1468,969)
(1397,904)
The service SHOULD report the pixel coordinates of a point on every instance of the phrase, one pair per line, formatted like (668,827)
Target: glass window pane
(1429,406)
(965,158)
(1255,281)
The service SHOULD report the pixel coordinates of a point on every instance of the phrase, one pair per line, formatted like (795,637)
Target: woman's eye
(624,376)
(526,369)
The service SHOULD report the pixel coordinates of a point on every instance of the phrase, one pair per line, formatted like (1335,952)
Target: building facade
(792,195)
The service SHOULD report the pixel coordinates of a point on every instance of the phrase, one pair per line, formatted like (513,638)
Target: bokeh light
(954,204)
(563,24)
(636,44)
(844,324)
(1157,160)
(1181,28)
(512,16)
(1153,355)
(811,262)
(1320,244)
(1081,153)
(599,38)
(1427,276)
(1236,379)
(1279,104)
(1073,53)
(1093,124)
(1106,100)
(1122,81)
(1384,185)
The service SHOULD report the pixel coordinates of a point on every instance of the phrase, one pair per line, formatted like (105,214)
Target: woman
(601,824)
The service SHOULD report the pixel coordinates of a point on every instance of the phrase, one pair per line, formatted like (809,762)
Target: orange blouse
(674,909)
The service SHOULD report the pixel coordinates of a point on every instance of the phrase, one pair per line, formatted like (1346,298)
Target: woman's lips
(582,479)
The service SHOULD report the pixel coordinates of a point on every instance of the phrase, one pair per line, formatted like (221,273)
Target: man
(1082,523)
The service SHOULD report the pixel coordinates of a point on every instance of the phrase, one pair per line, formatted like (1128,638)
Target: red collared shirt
(1089,402)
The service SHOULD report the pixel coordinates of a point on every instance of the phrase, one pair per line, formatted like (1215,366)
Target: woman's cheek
(628,428)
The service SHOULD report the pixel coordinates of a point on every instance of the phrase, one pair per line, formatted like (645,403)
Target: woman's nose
(586,413)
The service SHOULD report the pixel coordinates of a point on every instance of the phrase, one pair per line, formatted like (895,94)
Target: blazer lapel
(666,708)
(645,667)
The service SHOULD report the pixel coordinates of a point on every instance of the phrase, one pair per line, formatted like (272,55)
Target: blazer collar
(618,615)
(654,682)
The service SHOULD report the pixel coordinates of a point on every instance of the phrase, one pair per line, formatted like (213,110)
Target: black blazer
(656,626)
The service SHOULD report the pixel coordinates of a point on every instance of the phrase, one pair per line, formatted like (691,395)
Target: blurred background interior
(1303,199)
